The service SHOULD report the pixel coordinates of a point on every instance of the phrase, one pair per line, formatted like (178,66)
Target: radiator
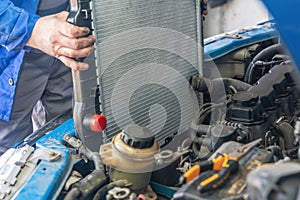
(145,53)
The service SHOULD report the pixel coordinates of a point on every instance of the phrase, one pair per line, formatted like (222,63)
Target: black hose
(208,85)
(205,153)
(200,129)
(237,84)
(74,193)
(276,151)
(287,132)
(265,55)
(297,135)
(92,182)
(93,156)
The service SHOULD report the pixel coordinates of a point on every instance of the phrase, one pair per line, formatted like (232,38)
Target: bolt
(2,195)
(132,196)
(67,136)
(159,161)
(179,149)
(109,197)
(277,101)
(239,138)
(52,153)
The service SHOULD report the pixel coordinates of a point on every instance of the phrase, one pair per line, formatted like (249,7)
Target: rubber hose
(207,85)
(237,84)
(88,185)
(264,55)
(276,150)
(297,135)
(199,129)
(287,132)
(92,182)
(74,193)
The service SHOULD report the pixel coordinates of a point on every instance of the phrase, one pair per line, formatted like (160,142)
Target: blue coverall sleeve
(16,26)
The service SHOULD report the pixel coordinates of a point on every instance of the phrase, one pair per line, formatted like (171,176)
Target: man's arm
(16,26)
(50,34)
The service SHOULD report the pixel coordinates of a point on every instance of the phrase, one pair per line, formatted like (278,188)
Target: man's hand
(56,37)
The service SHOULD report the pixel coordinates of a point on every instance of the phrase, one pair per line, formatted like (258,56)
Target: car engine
(231,129)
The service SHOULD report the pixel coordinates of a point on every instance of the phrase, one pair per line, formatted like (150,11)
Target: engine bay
(241,143)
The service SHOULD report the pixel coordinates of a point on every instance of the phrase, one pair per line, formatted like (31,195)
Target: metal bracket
(44,154)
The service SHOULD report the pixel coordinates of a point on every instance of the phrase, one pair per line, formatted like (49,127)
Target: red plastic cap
(141,197)
(98,123)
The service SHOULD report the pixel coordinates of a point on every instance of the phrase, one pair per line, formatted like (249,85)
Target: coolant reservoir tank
(130,155)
